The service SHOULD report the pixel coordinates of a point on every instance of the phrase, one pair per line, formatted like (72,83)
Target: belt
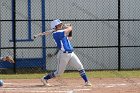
(67,51)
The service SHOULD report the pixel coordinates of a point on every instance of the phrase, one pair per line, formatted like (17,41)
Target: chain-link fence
(105,33)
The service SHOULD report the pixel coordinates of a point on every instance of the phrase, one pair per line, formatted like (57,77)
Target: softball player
(65,54)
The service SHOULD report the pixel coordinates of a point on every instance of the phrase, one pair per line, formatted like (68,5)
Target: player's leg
(62,61)
(75,62)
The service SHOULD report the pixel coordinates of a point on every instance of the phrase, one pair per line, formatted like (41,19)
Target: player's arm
(68,29)
(43,33)
(70,35)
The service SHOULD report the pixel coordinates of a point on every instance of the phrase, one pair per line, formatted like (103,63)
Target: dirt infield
(60,85)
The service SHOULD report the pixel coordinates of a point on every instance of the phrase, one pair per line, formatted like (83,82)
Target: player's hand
(66,25)
(35,36)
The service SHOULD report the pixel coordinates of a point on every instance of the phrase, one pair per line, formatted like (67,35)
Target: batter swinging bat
(50,31)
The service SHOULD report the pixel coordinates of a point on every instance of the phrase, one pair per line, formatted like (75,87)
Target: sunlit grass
(90,74)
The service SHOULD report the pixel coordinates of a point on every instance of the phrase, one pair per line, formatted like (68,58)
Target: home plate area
(59,85)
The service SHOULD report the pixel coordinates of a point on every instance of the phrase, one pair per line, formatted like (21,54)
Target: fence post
(29,19)
(14,30)
(119,36)
(0,30)
(43,30)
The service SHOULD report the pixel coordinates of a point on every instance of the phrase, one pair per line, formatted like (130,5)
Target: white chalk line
(105,85)
(27,85)
(33,91)
(39,89)
(116,85)
(57,91)
(21,83)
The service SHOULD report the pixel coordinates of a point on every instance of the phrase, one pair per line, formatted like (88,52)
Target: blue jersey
(62,41)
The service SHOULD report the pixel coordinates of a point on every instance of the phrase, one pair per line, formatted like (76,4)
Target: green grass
(90,74)
(116,74)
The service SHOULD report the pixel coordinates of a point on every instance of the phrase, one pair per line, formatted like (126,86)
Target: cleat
(44,81)
(88,84)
